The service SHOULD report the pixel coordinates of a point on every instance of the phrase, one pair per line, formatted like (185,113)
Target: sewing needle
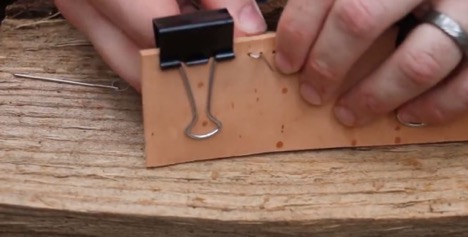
(49,79)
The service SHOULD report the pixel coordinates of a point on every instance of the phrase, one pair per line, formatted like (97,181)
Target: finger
(448,101)
(297,30)
(246,13)
(135,17)
(439,106)
(350,29)
(186,6)
(118,51)
(424,59)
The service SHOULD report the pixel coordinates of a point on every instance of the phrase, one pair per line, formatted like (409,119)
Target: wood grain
(72,164)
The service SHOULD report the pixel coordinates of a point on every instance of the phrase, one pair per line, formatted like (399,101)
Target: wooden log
(72,164)
(31,9)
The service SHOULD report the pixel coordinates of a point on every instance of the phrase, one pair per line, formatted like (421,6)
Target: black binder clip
(194,39)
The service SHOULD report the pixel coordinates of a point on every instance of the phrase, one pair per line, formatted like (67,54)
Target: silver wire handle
(211,117)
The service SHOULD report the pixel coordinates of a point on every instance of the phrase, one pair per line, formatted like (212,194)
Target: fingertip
(251,21)
(422,111)
(345,116)
(246,13)
(310,94)
(283,64)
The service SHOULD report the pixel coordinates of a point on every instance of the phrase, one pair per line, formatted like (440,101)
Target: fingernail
(251,20)
(407,118)
(283,64)
(345,116)
(310,94)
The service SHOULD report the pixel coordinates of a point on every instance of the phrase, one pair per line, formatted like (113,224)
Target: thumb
(246,13)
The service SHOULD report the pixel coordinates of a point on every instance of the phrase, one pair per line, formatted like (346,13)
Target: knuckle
(420,67)
(327,74)
(356,17)
(376,105)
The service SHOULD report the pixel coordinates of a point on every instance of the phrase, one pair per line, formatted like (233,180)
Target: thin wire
(262,57)
(49,79)
(211,117)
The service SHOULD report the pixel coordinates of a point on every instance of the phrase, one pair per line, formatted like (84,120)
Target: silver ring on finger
(450,27)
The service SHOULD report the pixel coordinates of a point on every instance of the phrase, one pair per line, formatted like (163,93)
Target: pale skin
(423,80)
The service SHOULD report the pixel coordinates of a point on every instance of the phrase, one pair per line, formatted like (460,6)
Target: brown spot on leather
(205,123)
(233,105)
(240,136)
(279,145)
(258,99)
(274,51)
(256,91)
(354,142)
(152,134)
(282,128)
(201,85)
(397,128)
(285,90)
(397,140)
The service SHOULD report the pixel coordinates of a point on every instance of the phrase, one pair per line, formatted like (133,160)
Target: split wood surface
(72,164)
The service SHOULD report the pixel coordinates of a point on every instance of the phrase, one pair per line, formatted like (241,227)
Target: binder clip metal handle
(195,39)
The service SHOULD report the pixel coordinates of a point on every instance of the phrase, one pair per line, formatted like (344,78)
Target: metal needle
(49,79)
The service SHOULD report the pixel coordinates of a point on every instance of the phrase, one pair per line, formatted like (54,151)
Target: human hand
(118,29)
(421,80)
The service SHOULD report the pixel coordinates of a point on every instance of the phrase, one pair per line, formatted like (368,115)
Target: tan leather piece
(261,110)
